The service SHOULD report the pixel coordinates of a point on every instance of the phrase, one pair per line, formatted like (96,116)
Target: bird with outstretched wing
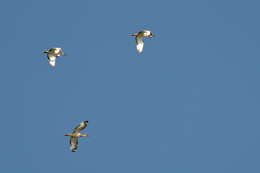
(76,134)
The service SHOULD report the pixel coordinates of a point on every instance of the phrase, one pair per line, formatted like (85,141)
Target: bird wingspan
(139,44)
(73,144)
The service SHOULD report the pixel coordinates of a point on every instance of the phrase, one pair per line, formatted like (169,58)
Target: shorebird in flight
(139,39)
(53,54)
(76,134)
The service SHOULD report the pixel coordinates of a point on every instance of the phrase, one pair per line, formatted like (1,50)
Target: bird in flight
(76,134)
(139,39)
(53,54)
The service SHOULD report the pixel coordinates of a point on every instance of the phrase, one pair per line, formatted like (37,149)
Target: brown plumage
(76,134)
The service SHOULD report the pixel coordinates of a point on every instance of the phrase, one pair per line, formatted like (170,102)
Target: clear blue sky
(188,104)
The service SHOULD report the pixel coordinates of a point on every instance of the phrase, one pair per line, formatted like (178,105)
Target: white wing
(52,59)
(73,144)
(139,44)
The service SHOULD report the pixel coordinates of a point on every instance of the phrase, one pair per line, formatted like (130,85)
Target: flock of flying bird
(54,53)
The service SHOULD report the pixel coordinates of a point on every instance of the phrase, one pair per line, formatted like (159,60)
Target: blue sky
(188,103)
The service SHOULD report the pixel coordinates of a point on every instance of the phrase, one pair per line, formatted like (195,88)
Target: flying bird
(139,39)
(76,134)
(53,54)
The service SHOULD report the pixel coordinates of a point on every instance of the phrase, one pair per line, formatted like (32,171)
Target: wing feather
(139,44)
(73,144)
(80,127)
(52,59)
